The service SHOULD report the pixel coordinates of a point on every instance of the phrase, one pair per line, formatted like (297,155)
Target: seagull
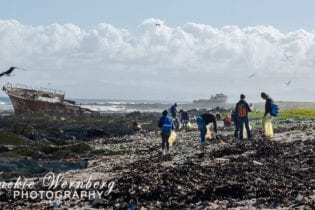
(10,70)
(251,76)
(288,83)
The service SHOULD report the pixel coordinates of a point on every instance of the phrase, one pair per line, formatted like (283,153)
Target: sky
(161,50)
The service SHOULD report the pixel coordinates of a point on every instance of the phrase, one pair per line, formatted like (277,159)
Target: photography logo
(55,186)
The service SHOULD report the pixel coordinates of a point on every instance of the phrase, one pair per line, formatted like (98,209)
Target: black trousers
(165,137)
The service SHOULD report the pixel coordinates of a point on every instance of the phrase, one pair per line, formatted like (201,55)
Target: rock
(22,167)
(131,206)
(54,132)
(93,132)
(26,151)
(98,202)
(4,149)
(54,204)
(136,126)
(9,138)
(25,130)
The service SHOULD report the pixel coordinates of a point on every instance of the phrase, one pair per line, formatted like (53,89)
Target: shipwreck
(27,100)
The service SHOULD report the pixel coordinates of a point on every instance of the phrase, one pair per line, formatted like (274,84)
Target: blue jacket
(162,120)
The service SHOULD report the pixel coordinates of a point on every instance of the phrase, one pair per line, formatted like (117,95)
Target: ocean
(107,105)
(5,104)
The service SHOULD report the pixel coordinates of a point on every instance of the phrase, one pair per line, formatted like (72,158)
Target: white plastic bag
(209,133)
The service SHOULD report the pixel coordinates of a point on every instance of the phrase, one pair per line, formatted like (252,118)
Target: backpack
(241,110)
(167,125)
(274,110)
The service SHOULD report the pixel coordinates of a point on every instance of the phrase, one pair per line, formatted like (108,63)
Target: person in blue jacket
(166,125)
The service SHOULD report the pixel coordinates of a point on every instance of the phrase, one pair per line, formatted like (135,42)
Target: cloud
(154,57)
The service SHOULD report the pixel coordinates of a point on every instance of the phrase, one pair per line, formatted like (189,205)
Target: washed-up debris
(257,163)
(156,183)
(220,160)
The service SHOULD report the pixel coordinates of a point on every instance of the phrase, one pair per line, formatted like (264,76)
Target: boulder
(25,130)
(9,138)
(4,149)
(94,132)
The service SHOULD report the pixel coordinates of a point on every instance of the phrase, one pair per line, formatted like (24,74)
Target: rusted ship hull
(29,101)
(21,105)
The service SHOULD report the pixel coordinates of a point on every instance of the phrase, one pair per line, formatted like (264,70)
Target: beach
(227,173)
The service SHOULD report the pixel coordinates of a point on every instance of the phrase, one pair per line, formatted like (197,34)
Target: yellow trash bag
(189,126)
(268,130)
(172,138)
(208,134)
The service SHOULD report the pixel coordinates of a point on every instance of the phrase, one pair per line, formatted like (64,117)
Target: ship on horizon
(218,100)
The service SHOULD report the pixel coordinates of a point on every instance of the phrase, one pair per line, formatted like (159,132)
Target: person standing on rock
(268,103)
(205,119)
(173,111)
(166,125)
(242,108)
(184,118)
(267,125)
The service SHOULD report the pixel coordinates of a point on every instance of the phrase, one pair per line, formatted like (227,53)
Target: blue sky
(114,49)
(286,15)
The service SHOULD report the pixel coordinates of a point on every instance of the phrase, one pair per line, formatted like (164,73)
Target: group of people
(239,116)
(167,124)
(181,119)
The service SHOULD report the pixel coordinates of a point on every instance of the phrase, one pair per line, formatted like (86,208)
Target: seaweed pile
(228,173)
(270,174)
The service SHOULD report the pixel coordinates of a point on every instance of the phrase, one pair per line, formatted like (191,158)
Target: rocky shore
(228,173)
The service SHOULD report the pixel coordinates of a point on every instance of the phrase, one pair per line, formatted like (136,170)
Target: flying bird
(288,83)
(250,76)
(157,25)
(10,70)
